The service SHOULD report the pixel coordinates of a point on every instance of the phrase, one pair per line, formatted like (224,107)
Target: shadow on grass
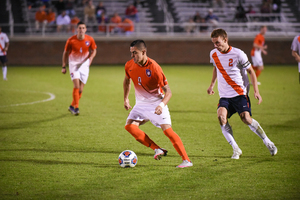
(20,125)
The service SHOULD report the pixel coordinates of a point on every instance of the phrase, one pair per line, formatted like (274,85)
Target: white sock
(227,132)
(4,71)
(257,129)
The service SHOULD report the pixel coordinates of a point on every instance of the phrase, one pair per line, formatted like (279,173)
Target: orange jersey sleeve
(259,40)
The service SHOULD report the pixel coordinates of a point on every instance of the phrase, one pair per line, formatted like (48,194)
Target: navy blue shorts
(236,104)
(3,59)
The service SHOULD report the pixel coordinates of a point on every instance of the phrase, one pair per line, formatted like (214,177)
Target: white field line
(52,96)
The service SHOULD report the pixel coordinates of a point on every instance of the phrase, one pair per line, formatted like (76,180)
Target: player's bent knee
(222,119)
(246,118)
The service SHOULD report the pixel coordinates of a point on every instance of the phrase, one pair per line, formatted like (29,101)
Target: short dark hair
(79,23)
(140,44)
(219,32)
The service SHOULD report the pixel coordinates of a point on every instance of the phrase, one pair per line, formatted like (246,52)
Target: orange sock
(257,72)
(73,102)
(177,143)
(140,136)
(76,94)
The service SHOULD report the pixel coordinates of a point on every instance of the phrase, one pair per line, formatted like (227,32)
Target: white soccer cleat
(236,153)
(159,153)
(184,164)
(272,148)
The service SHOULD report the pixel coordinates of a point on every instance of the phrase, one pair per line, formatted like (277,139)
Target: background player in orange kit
(230,68)
(258,48)
(151,103)
(79,52)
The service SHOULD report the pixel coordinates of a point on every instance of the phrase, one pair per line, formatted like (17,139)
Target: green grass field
(46,153)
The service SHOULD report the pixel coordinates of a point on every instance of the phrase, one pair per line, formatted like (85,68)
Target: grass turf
(46,153)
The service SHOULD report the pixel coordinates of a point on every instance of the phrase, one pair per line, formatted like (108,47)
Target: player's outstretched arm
(166,99)
(64,61)
(92,55)
(210,90)
(255,86)
(126,88)
(296,56)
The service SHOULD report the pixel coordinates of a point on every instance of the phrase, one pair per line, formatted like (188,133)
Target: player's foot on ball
(159,153)
(236,153)
(76,111)
(272,148)
(185,163)
(72,109)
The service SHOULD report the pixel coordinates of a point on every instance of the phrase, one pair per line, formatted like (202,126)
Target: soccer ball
(128,159)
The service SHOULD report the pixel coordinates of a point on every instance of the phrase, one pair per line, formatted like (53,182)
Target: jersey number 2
(230,62)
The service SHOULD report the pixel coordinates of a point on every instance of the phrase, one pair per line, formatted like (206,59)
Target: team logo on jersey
(148,72)
(87,43)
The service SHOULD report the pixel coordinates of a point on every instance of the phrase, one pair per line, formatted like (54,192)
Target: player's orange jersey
(259,40)
(79,49)
(147,80)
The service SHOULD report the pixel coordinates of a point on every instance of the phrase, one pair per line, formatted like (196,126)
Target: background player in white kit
(4,43)
(230,64)
(296,51)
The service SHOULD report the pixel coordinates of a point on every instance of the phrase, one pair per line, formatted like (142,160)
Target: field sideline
(46,153)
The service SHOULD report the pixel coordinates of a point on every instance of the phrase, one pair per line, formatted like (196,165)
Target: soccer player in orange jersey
(152,94)
(258,48)
(79,52)
(230,69)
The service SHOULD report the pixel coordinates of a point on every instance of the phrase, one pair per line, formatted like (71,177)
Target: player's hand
(158,110)
(258,97)
(127,105)
(63,70)
(210,91)
(264,52)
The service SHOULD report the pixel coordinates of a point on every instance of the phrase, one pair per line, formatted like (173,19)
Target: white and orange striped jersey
(231,72)
(296,44)
(3,39)
(148,81)
(79,49)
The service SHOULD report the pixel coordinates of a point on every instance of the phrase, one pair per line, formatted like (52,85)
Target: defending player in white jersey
(4,43)
(230,67)
(296,51)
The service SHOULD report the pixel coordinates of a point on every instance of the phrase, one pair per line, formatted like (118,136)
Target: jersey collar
(230,47)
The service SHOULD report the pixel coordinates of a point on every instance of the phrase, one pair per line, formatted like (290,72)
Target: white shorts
(82,72)
(257,60)
(141,112)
